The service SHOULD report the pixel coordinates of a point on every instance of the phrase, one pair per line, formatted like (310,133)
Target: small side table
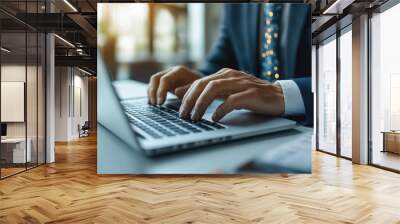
(14,151)
(391,141)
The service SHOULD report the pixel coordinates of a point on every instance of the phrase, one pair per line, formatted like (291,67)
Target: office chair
(84,130)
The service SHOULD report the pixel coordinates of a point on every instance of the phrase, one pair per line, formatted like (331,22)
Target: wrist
(279,96)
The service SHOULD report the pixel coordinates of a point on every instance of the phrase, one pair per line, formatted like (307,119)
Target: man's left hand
(239,91)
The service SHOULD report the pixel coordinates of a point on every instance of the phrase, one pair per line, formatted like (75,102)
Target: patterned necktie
(270,42)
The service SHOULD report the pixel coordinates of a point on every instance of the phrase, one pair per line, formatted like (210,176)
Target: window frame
(335,36)
(378,10)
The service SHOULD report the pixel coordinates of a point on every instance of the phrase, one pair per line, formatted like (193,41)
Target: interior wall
(71,102)
(80,109)
(61,103)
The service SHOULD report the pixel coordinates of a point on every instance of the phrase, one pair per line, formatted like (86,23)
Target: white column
(50,99)
(360,90)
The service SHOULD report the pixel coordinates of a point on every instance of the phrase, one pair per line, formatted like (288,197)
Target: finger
(192,85)
(190,97)
(233,102)
(153,86)
(165,84)
(216,89)
(227,73)
(196,89)
(220,71)
(180,91)
(185,96)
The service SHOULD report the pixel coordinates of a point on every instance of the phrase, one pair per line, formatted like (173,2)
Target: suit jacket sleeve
(304,85)
(221,54)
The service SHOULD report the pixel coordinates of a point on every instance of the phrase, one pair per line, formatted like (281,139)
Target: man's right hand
(176,80)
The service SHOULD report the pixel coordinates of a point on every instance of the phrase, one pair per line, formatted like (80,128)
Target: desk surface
(283,152)
(13,140)
(391,132)
(287,151)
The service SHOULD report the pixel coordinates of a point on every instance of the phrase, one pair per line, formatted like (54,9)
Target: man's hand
(176,80)
(239,91)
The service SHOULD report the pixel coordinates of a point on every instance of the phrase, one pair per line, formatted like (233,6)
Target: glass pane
(385,86)
(13,87)
(327,97)
(41,99)
(346,94)
(32,88)
(31,98)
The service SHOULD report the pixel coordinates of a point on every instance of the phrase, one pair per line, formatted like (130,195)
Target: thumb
(223,109)
(180,91)
(233,102)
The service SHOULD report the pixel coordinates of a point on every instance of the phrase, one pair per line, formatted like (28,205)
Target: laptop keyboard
(162,121)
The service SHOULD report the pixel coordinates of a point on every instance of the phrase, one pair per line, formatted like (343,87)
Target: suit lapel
(293,23)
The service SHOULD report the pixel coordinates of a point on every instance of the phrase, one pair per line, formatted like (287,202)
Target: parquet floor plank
(70,191)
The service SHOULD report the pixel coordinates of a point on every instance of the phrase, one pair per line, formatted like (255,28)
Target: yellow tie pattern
(270,42)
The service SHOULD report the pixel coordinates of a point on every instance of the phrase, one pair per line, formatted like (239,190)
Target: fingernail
(183,114)
(159,100)
(182,111)
(194,117)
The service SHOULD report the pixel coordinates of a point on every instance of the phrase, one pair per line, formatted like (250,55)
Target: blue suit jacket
(238,46)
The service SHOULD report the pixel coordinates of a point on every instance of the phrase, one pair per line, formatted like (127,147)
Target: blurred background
(139,40)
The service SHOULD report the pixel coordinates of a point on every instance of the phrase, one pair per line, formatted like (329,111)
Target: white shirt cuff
(294,105)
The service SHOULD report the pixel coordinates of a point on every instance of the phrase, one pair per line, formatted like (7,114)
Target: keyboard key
(204,127)
(213,124)
(158,121)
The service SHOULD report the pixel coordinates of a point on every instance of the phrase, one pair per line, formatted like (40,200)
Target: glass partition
(41,97)
(31,99)
(346,93)
(14,153)
(327,96)
(385,89)
(23,91)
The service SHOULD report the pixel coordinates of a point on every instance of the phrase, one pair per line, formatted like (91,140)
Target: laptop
(157,130)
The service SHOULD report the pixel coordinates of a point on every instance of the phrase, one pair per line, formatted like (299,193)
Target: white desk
(282,152)
(16,146)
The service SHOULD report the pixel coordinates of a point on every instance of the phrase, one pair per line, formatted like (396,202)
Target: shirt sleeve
(294,104)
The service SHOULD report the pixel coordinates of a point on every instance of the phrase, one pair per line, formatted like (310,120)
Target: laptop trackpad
(243,118)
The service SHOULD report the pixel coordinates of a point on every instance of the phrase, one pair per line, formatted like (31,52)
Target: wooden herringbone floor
(69,191)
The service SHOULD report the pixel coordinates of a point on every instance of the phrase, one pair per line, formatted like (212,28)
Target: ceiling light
(65,41)
(84,71)
(5,50)
(79,51)
(70,5)
(337,7)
